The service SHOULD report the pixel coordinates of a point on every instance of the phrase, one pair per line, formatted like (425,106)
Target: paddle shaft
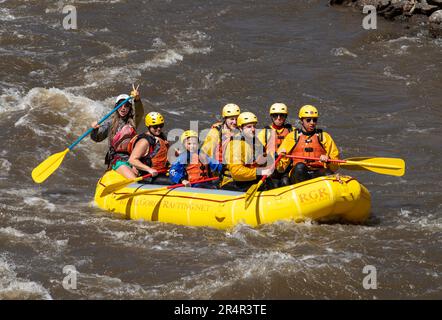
(252,190)
(276,162)
(195,182)
(146,176)
(357,163)
(99,122)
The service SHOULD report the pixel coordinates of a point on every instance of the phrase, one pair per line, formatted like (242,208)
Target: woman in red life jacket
(193,164)
(120,128)
(148,151)
(308,142)
(271,138)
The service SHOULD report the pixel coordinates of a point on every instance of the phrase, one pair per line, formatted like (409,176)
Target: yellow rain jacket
(211,144)
(239,158)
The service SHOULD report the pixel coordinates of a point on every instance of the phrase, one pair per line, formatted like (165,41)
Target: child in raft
(194,165)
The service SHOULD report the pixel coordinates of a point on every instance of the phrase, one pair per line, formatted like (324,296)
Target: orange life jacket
(156,156)
(222,142)
(308,146)
(122,138)
(195,169)
(280,135)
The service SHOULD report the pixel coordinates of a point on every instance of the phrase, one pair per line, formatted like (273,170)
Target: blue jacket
(177,171)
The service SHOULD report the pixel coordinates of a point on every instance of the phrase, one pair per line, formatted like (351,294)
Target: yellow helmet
(308,111)
(230,110)
(153,119)
(246,118)
(278,108)
(188,134)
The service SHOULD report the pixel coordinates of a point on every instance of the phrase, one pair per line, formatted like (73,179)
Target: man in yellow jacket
(244,163)
(308,142)
(221,132)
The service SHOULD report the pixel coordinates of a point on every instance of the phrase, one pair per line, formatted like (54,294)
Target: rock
(426,9)
(435,24)
(379,4)
(396,8)
(435,2)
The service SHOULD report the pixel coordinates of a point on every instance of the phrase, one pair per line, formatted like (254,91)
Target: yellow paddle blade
(47,167)
(140,193)
(250,194)
(388,166)
(118,185)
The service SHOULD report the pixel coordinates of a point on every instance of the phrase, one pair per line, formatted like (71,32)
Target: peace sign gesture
(135,93)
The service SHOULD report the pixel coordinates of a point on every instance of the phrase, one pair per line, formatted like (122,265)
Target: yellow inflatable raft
(320,199)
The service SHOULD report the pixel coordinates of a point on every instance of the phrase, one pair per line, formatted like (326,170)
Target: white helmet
(123,97)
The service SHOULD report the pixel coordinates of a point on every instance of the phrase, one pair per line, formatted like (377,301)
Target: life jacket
(223,140)
(195,169)
(280,135)
(308,146)
(156,156)
(122,138)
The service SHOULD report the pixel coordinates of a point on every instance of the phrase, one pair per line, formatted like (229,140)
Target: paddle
(388,166)
(48,166)
(121,184)
(163,188)
(250,193)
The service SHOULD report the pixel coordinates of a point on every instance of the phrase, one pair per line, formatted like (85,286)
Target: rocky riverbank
(427,11)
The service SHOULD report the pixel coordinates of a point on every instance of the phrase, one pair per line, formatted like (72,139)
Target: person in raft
(272,136)
(193,164)
(119,129)
(221,132)
(308,141)
(148,151)
(245,166)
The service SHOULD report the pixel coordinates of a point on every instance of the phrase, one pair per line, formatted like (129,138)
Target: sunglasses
(276,115)
(311,119)
(158,126)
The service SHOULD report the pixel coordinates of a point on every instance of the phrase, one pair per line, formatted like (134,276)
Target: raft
(321,199)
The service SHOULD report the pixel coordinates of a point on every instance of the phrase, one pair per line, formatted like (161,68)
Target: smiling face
(124,109)
(309,124)
(231,122)
(156,130)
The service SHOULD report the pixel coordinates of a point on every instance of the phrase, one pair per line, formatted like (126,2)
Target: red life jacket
(156,156)
(195,169)
(280,135)
(122,139)
(308,146)
(222,142)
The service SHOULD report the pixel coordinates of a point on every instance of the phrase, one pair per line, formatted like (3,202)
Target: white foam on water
(102,286)
(9,100)
(388,71)
(40,203)
(404,38)
(341,51)
(162,60)
(12,232)
(12,287)
(5,15)
(204,285)
(164,56)
(5,167)
(71,113)
(38,220)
